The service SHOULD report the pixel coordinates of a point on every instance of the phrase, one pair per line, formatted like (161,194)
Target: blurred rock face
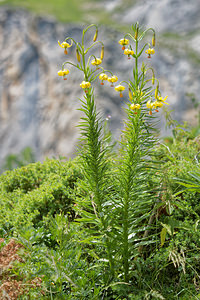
(39,109)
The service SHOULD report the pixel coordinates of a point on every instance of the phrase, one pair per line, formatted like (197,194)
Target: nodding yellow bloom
(85,85)
(158,104)
(96,61)
(128,52)
(63,73)
(112,79)
(60,73)
(65,45)
(120,88)
(151,106)
(123,42)
(160,99)
(150,51)
(102,77)
(135,107)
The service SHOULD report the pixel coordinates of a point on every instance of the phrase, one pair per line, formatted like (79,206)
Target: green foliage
(120,226)
(39,190)
(64,10)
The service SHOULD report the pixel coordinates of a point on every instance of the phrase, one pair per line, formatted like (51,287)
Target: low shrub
(38,190)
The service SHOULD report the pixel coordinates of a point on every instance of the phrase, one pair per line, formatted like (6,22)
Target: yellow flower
(158,104)
(65,45)
(135,106)
(85,84)
(112,79)
(60,73)
(123,42)
(63,73)
(120,88)
(102,77)
(96,61)
(150,105)
(162,100)
(150,51)
(128,52)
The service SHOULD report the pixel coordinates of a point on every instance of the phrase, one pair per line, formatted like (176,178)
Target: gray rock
(39,109)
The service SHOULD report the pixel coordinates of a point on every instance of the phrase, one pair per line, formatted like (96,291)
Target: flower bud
(95,36)
(78,55)
(156,92)
(102,53)
(130,94)
(136,32)
(154,40)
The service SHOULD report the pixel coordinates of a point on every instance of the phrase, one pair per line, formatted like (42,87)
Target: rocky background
(38,109)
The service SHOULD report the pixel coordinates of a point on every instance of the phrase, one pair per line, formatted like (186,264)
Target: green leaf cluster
(38,190)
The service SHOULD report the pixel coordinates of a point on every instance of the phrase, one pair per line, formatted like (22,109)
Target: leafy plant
(121,204)
(36,191)
(114,223)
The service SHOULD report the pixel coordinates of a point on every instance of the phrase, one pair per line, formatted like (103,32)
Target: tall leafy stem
(122,203)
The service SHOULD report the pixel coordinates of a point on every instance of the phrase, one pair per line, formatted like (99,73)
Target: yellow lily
(112,79)
(162,100)
(128,52)
(123,42)
(102,77)
(85,84)
(65,45)
(63,73)
(151,106)
(96,61)
(135,107)
(150,51)
(120,88)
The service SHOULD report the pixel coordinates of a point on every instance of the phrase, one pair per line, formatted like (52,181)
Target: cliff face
(39,109)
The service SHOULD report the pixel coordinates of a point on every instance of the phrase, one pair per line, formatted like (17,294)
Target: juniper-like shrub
(37,191)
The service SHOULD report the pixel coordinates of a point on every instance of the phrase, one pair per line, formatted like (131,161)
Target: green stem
(136,64)
(128,173)
(94,151)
